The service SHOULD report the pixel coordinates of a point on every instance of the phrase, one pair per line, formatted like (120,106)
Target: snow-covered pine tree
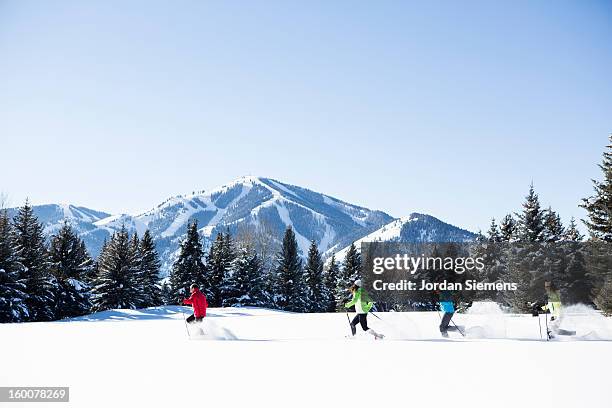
(330,282)
(246,280)
(493,235)
(32,254)
(575,281)
(530,223)
(313,280)
(12,289)
(553,227)
(350,272)
(166,295)
(529,262)
(70,263)
(93,273)
(525,264)
(218,269)
(599,205)
(603,299)
(188,267)
(289,286)
(507,228)
(228,254)
(116,285)
(149,268)
(136,257)
(491,249)
(572,233)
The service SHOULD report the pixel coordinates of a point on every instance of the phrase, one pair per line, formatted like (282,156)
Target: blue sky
(451,108)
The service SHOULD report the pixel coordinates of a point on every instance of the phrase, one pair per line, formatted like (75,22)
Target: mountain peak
(250,202)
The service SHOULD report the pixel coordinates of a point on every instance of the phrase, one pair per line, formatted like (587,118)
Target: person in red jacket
(199,303)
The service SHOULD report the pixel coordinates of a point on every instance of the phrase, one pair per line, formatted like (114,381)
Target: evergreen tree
(524,267)
(228,256)
(136,258)
(12,296)
(330,283)
(149,269)
(553,227)
(313,280)
(507,229)
(90,277)
(575,283)
(247,280)
(117,284)
(603,299)
(529,263)
(70,264)
(289,286)
(32,254)
(531,220)
(166,293)
(351,271)
(218,270)
(572,233)
(598,265)
(599,206)
(493,233)
(188,267)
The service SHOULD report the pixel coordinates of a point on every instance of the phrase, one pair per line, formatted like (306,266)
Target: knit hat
(358,283)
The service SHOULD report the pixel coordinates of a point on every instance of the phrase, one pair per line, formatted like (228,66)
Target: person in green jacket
(553,305)
(362,302)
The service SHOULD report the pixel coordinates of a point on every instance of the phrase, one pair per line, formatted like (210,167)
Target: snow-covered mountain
(248,201)
(252,202)
(255,201)
(414,228)
(82,219)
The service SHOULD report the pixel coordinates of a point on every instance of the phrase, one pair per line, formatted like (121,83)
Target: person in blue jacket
(448,307)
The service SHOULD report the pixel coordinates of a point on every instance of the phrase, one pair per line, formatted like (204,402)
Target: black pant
(445,322)
(361,318)
(192,319)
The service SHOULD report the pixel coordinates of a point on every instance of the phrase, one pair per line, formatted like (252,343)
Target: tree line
(49,279)
(42,280)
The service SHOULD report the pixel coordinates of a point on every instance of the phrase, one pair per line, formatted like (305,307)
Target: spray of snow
(398,326)
(587,322)
(486,321)
(210,330)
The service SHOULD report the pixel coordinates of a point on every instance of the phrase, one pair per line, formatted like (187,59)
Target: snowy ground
(145,359)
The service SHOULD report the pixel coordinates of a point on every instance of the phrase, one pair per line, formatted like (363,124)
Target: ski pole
(349,322)
(185,321)
(547,332)
(540,326)
(456,327)
(375,315)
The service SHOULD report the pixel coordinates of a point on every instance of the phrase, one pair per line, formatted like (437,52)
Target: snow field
(145,359)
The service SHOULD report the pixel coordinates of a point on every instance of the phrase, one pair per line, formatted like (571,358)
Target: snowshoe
(377,336)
